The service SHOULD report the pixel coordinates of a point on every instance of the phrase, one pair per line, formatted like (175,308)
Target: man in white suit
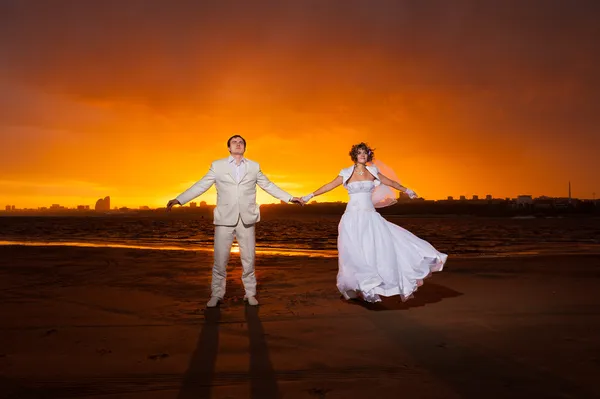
(236,213)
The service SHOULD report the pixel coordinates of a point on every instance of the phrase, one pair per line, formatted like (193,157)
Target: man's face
(236,146)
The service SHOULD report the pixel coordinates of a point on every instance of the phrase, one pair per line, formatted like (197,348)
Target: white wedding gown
(377,257)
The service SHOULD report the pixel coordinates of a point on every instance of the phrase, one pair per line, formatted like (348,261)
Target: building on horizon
(403,197)
(103,204)
(524,200)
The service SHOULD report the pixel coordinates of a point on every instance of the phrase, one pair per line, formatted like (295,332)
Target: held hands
(297,200)
(307,198)
(172,203)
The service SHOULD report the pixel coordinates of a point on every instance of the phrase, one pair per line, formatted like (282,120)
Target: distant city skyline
(105,203)
(196,204)
(263,198)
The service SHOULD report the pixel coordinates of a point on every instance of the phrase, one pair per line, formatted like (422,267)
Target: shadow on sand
(427,294)
(262,375)
(201,374)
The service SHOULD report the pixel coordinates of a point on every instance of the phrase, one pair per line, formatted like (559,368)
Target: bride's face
(361,156)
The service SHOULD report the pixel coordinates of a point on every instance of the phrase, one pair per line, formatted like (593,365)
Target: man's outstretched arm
(199,188)
(271,188)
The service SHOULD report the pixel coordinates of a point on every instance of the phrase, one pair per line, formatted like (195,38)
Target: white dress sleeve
(346,173)
(375,172)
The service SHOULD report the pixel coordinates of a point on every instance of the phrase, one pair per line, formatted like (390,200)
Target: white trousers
(224,235)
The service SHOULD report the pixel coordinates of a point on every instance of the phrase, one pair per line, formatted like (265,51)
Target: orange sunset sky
(134,99)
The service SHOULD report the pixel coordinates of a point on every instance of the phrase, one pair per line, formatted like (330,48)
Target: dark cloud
(203,53)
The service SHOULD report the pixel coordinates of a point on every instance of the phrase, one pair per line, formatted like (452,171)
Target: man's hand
(172,203)
(297,200)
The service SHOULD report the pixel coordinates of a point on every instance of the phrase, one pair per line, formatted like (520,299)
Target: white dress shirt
(237,170)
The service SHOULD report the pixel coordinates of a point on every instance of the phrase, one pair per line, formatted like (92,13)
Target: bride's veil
(383,195)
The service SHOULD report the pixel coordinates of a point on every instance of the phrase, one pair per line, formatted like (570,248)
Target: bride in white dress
(376,257)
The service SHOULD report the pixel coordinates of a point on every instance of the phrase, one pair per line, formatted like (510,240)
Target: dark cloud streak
(151,48)
(522,65)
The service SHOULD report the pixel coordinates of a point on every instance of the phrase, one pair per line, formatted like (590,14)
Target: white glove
(411,194)
(308,197)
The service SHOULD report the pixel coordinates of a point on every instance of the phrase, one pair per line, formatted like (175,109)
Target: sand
(121,323)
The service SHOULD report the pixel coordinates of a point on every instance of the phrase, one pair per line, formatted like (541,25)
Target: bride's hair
(361,146)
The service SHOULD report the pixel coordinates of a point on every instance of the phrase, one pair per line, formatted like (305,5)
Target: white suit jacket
(234,200)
